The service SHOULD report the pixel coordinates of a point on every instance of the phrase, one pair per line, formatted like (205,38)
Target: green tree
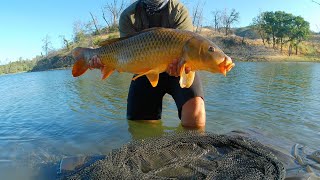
(269,26)
(299,31)
(20,65)
(258,26)
(283,28)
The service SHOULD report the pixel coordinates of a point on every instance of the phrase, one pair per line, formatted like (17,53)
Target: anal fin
(153,79)
(152,75)
(106,72)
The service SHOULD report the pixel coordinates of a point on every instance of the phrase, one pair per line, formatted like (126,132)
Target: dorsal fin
(110,41)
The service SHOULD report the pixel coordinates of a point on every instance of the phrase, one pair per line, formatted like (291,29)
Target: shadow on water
(104,98)
(143,129)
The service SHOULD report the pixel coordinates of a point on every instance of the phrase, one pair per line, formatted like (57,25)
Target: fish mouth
(226,65)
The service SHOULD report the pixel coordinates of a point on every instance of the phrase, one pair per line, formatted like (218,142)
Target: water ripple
(49,115)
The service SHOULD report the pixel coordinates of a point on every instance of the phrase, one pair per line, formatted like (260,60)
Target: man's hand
(95,63)
(174,68)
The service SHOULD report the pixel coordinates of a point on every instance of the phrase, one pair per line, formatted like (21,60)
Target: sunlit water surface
(45,116)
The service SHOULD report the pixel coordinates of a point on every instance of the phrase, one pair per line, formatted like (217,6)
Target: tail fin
(81,65)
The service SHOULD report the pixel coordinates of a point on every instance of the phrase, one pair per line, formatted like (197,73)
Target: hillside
(242,46)
(246,47)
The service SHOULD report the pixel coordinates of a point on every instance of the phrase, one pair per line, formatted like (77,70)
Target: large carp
(149,53)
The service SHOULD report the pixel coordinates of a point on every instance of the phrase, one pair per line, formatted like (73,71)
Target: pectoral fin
(81,65)
(152,75)
(106,72)
(186,80)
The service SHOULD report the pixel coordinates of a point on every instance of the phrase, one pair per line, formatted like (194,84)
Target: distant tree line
(82,31)
(22,65)
(280,28)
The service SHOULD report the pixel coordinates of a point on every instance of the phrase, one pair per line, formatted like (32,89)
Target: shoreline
(278,59)
(64,68)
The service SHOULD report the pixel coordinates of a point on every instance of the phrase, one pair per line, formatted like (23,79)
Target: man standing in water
(145,101)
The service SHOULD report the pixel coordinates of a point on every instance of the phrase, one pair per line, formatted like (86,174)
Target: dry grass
(243,49)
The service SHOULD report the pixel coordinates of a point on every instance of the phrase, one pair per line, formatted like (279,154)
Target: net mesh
(188,155)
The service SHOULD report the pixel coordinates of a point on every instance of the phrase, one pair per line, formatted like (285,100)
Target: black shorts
(145,101)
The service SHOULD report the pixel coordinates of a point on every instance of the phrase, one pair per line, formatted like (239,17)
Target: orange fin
(152,75)
(153,79)
(109,41)
(81,65)
(142,74)
(106,72)
(186,80)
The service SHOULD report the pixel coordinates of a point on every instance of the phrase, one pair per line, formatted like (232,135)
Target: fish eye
(211,49)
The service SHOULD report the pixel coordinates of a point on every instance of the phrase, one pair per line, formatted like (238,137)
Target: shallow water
(45,116)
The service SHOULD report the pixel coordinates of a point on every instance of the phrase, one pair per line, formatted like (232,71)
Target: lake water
(45,116)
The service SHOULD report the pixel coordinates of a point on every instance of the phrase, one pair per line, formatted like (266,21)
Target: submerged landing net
(188,155)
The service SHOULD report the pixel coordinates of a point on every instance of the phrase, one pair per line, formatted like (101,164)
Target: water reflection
(143,129)
(286,96)
(272,97)
(49,115)
(102,97)
(265,96)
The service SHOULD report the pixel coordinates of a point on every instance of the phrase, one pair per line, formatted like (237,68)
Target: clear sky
(25,23)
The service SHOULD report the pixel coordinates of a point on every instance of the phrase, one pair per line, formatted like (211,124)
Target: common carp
(149,53)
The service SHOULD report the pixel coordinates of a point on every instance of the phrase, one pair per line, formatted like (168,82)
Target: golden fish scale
(145,51)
